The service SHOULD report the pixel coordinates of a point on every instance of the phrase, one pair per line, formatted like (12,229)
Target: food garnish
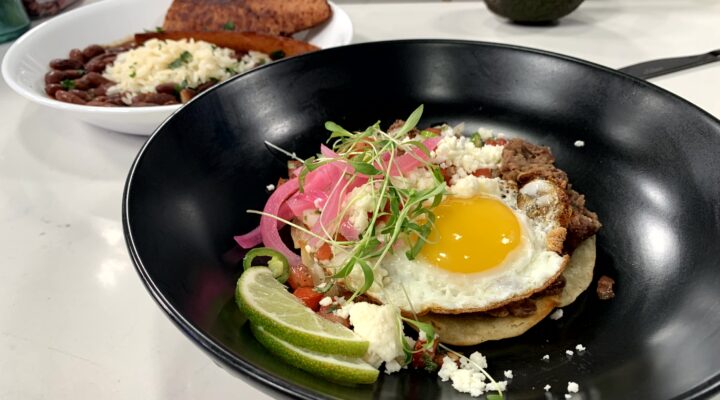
(381,218)
(277,262)
(185,58)
(335,368)
(267,303)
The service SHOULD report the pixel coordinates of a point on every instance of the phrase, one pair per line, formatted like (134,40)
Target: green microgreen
(401,217)
(185,58)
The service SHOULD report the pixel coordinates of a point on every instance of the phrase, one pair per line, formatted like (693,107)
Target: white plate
(26,62)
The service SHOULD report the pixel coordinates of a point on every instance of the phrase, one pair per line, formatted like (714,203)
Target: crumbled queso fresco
(557,314)
(468,377)
(380,326)
(573,387)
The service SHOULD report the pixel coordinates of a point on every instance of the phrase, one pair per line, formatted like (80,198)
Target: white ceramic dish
(26,62)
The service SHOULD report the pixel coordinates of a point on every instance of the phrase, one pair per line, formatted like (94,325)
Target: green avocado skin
(533,11)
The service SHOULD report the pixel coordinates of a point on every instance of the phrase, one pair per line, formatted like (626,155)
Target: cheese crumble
(381,327)
(468,377)
(573,387)
(557,314)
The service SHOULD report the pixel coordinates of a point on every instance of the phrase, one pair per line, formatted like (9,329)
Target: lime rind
(336,368)
(266,302)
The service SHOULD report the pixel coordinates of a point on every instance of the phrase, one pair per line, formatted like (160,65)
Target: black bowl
(649,167)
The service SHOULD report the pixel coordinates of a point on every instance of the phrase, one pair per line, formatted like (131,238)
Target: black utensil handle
(651,69)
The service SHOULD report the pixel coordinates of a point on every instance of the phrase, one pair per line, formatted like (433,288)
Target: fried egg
(491,244)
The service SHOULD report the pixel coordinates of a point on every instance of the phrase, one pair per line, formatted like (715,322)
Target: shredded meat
(522,308)
(555,288)
(523,162)
(605,288)
(583,222)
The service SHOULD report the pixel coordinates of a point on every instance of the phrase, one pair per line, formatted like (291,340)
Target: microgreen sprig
(399,215)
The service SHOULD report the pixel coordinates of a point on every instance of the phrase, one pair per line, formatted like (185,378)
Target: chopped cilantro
(277,54)
(184,58)
(67,84)
(133,74)
(231,71)
(159,29)
(229,26)
(181,86)
(476,139)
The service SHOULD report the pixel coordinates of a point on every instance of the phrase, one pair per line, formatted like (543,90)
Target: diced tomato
(448,173)
(327,313)
(486,172)
(422,358)
(309,296)
(299,276)
(324,253)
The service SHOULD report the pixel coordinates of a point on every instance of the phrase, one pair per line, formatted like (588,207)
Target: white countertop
(76,321)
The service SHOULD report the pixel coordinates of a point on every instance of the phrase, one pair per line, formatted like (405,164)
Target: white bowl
(26,62)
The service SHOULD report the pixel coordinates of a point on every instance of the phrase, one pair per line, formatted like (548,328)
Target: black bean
(93,50)
(98,63)
(77,55)
(68,97)
(56,76)
(52,88)
(167,88)
(65,63)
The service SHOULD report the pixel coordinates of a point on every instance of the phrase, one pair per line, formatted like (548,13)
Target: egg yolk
(472,235)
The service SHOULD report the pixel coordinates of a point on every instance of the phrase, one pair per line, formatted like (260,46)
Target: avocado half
(532,11)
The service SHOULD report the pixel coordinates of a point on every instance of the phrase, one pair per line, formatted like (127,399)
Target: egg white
(533,265)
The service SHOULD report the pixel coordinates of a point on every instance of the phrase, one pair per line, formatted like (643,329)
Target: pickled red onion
(269,226)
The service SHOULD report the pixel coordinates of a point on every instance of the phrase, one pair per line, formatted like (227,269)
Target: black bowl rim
(223,354)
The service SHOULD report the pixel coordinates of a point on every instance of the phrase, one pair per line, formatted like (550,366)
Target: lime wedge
(266,302)
(334,368)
